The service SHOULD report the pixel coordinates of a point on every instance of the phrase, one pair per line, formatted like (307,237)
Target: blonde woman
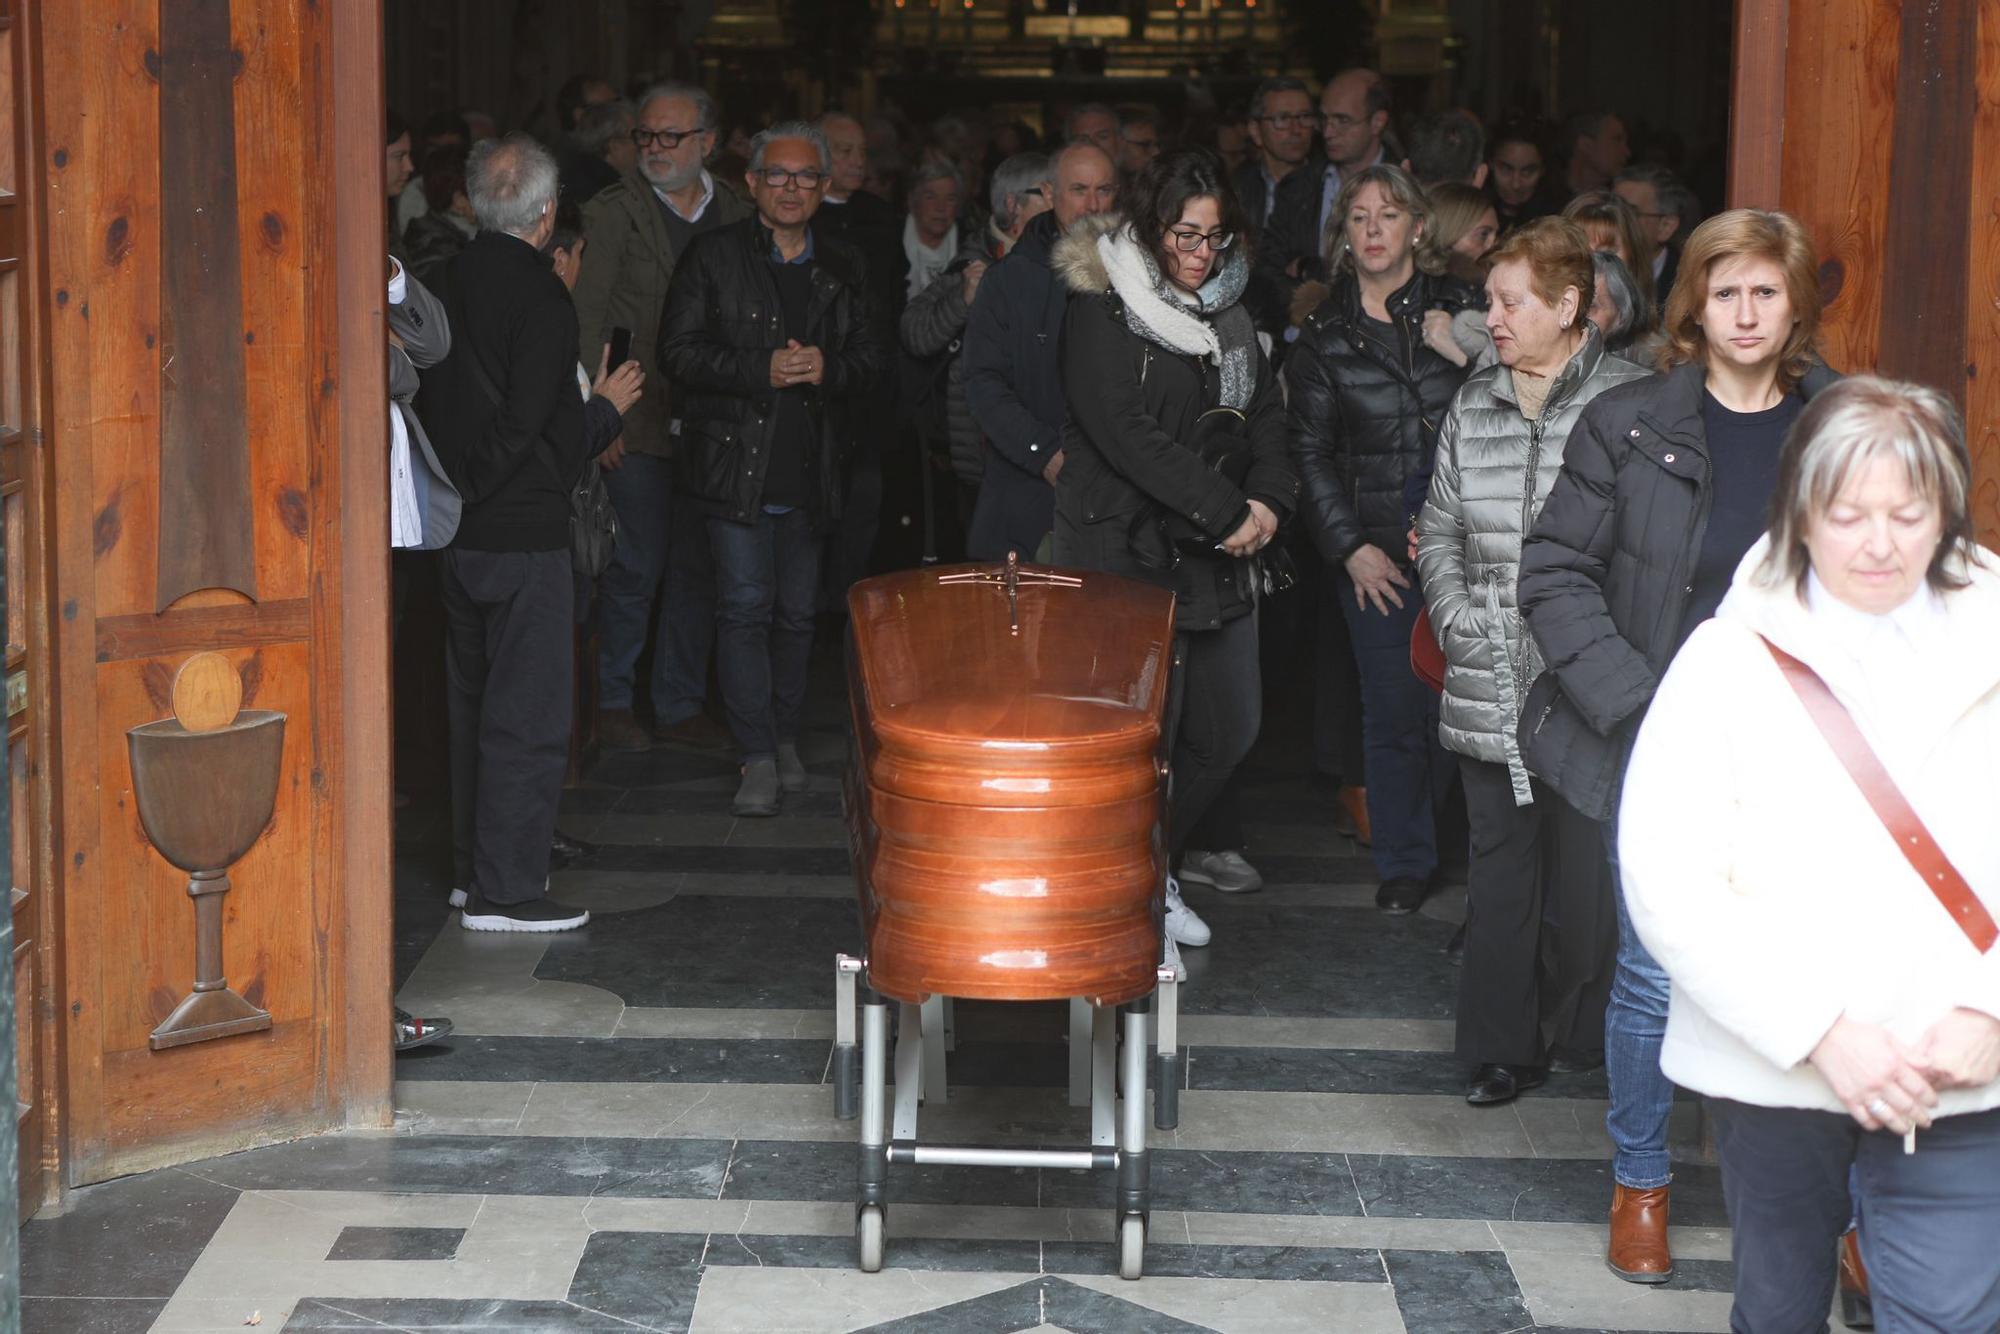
(1367,396)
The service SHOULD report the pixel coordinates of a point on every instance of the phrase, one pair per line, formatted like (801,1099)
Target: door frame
(42,1143)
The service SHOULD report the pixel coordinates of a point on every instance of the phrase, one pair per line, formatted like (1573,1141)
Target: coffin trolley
(1005,802)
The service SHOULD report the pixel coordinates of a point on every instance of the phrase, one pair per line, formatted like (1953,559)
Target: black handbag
(593,523)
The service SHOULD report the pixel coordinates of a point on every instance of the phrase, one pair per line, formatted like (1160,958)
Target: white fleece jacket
(1756,872)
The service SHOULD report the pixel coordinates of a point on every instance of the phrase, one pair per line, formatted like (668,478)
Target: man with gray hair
(634,233)
(505,416)
(1095,122)
(1013,363)
(599,150)
(933,324)
(767,340)
(1667,209)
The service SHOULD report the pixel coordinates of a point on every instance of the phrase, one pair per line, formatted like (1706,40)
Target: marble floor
(632,1128)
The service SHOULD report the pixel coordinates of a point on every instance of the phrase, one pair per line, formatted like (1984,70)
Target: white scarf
(926,262)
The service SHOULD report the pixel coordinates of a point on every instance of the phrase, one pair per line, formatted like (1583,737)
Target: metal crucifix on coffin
(1010,577)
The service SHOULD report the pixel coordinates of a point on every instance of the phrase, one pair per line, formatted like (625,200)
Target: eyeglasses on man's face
(777,178)
(1190,241)
(1290,120)
(668,139)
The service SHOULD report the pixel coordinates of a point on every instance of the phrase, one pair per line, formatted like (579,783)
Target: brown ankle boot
(1856,1311)
(1638,1252)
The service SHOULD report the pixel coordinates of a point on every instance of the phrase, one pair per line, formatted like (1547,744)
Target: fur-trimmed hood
(1099,256)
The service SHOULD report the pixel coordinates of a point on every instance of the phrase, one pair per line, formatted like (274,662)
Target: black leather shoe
(1403,894)
(1503,1083)
(1573,1060)
(565,850)
(1454,949)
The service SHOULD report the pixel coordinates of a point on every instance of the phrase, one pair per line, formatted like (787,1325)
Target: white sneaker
(1182,923)
(1228,872)
(1171,958)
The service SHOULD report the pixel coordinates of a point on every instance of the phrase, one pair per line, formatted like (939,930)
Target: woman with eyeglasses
(1175,469)
(1368,394)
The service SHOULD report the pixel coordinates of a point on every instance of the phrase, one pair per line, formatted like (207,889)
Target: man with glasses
(1667,210)
(634,232)
(768,342)
(1283,122)
(1354,122)
(1012,363)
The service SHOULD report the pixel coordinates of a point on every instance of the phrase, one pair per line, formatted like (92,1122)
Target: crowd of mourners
(1594,566)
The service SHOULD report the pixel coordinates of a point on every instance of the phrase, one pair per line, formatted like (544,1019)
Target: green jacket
(628,261)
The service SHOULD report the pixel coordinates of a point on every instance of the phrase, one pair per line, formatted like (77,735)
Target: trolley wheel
(868,1237)
(1131,1245)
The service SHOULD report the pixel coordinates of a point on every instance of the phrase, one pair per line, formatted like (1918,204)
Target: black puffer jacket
(1134,401)
(722,321)
(1605,577)
(1365,413)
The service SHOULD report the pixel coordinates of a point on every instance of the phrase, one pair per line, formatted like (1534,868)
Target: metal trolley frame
(1098,1072)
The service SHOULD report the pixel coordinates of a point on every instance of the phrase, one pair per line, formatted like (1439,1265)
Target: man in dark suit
(634,233)
(769,341)
(505,414)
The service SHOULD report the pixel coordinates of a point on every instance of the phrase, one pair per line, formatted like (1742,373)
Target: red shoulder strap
(1837,725)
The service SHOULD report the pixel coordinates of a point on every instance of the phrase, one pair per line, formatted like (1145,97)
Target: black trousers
(508,678)
(1930,1221)
(1539,924)
(1221,708)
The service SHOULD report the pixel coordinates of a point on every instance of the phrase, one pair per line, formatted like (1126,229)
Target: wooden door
(25,656)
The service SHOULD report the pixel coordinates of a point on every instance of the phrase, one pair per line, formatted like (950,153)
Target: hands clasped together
(1254,533)
(1888,1085)
(794,364)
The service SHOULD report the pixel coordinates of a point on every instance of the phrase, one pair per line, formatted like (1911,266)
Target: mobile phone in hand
(621,348)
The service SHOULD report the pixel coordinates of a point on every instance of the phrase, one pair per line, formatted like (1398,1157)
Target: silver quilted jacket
(1494,471)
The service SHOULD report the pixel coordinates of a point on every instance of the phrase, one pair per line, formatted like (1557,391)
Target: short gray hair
(790,129)
(511,181)
(936,169)
(1623,289)
(1270,88)
(1674,196)
(1013,179)
(601,122)
(705,114)
(1077,113)
(1849,425)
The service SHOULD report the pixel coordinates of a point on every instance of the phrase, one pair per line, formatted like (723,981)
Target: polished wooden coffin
(1005,797)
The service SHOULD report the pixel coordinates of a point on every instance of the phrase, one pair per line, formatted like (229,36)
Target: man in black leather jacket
(768,336)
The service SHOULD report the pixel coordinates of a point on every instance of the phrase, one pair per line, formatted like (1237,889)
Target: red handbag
(1426,658)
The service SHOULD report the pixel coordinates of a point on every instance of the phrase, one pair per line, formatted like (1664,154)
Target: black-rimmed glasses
(1189,242)
(777,178)
(668,139)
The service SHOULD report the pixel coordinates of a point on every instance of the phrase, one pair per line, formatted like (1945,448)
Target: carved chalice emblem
(206,781)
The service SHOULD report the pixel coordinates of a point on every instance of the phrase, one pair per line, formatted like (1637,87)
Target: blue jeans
(767,575)
(1635,1028)
(1408,771)
(1792,1177)
(659,534)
